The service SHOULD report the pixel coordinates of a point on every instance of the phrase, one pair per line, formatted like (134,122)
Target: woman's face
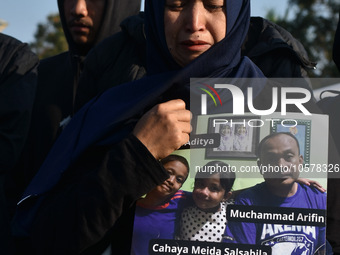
(178,173)
(193,26)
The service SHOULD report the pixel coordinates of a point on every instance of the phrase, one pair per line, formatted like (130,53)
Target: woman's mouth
(195,45)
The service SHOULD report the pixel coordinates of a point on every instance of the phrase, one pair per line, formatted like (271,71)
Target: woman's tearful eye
(175,5)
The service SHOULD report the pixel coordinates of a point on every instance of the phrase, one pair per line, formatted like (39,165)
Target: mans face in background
(83,19)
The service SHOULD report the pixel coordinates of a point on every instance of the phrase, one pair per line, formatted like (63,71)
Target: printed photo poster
(272,207)
(245,215)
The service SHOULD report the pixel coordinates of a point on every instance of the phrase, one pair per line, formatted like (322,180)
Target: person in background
(330,106)
(85,24)
(18,81)
(276,51)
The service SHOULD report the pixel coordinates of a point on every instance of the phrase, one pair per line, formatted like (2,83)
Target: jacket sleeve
(18,77)
(18,74)
(78,215)
(336,46)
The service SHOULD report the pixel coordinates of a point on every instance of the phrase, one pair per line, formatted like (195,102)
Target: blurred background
(313,22)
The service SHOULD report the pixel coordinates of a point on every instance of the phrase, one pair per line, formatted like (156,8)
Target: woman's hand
(164,128)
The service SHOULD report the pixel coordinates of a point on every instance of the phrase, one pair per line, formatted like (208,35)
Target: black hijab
(224,58)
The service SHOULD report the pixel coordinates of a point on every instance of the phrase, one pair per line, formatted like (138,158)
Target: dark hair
(259,148)
(227,178)
(174,157)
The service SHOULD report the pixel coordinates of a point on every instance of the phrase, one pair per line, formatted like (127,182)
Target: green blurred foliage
(313,23)
(49,38)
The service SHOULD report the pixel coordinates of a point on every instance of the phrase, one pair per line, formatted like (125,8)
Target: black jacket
(76,234)
(56,90)
(82,215)
(116,60)
(18,78)
(336,46)
(275,51)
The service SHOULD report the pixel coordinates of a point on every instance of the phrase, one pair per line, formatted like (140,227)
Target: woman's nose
(195,18)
